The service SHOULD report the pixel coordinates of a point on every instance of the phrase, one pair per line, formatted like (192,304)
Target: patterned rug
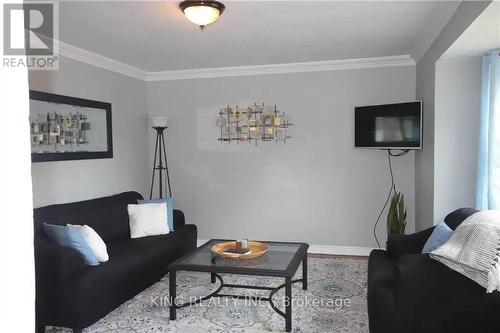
(334,302)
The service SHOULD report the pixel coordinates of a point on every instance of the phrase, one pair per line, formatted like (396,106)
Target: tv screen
(389,126)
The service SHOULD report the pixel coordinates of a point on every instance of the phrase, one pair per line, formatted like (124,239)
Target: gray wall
(316,188)
(66,181)
(424,159)
(458,102)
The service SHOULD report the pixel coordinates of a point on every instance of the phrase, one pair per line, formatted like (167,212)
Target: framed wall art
(69,128)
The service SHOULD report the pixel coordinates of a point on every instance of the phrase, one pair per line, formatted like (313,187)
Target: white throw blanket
(474,249)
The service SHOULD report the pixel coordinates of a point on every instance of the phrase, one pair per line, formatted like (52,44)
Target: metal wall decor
(253,124)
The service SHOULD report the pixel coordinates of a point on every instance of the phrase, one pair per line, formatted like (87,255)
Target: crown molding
(82,55)
(298,67)
(94,59)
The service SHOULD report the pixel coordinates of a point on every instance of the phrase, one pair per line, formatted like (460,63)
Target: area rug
(334,302)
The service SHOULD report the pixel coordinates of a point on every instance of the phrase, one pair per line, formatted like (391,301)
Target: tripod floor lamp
(160,164)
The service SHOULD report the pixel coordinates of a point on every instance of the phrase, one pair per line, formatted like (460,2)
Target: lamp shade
(158,121)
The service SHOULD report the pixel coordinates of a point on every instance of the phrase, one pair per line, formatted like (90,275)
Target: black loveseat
(70,294)
(410,292)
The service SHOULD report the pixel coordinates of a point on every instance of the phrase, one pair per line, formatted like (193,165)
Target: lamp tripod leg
(154,166)
(166,165)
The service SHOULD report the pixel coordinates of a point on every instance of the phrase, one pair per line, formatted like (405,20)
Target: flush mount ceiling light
(202,13)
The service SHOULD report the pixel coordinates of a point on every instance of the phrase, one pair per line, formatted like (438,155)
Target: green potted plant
(396,218)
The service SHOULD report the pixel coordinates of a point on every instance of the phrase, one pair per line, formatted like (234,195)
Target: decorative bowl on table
(255,249)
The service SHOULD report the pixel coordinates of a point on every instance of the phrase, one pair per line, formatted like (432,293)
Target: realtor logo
(35,39)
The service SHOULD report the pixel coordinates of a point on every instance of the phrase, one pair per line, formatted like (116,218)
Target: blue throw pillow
(170,209)
(71,237)
(439,236)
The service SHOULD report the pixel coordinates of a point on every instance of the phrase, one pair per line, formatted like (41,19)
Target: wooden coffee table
(281,260)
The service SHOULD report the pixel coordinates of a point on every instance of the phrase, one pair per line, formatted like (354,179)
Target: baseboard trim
(329,249)
(340,250)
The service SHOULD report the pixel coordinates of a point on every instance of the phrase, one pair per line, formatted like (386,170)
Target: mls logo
(36,39)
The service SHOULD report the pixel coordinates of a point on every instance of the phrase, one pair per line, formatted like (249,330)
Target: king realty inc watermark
(338,303)
(30,34)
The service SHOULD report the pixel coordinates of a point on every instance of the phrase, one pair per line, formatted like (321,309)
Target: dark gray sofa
(70,294)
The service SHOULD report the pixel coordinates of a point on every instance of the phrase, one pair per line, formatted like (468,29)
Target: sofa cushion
(456,217)
(170,209)
(430,297)
(93,240)
(69,237)
(107,216)
(398,245)
(439,236)
(147,219)
(134,265)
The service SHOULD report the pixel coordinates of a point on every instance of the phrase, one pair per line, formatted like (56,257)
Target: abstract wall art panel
(69,128)
(253,124)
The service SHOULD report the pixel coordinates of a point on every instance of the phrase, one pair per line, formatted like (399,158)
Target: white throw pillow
(147,219)
(94,241)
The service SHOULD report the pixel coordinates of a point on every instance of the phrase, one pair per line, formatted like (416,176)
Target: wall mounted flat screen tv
(389,126)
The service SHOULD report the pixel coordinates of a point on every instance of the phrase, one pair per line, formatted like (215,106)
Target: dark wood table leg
(212,277)
(304,272)
(288,304)
(173,294)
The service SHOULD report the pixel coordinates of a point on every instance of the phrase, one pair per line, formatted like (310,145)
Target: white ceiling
(155,36)
(482,35)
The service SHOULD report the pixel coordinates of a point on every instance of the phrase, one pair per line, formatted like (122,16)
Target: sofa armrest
(54,266)
(55,263)
(382,274)
(179,220)
(397,245)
